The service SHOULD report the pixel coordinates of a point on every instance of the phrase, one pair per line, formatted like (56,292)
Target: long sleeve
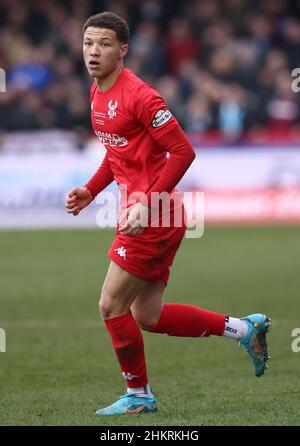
(181,156)
(101,179)
(152,113)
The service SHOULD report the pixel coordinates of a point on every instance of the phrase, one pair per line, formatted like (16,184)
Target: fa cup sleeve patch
(161,117)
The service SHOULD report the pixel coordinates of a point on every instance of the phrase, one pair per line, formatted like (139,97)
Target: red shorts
(149,255)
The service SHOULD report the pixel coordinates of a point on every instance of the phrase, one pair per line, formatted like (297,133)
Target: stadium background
(225,70)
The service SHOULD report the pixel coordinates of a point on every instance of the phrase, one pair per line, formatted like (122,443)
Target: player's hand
(134,220)
(77,199)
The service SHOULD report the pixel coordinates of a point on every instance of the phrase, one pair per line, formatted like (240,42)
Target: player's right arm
(80,197)
(77,199)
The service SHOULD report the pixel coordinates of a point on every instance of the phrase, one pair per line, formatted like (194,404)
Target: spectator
(221,65)
(282,109)
(181,45)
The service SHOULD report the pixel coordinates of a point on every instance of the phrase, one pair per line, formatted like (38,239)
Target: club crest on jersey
(161,117)
(112,109)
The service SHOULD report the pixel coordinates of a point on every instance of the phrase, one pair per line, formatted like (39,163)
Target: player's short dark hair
(109,20)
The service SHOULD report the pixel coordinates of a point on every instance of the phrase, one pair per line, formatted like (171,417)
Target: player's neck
(105,84)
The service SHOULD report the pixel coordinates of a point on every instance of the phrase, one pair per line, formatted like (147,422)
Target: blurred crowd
(222,65)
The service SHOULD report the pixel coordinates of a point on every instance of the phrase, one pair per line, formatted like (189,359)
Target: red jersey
(134,124)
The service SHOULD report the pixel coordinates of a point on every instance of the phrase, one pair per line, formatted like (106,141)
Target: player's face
(102,51)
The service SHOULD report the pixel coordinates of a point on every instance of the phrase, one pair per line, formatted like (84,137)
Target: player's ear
(123,51)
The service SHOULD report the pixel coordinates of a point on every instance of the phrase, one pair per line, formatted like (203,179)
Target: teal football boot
(255,342)
(129,404)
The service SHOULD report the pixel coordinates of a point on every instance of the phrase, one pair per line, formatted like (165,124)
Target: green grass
(60,367)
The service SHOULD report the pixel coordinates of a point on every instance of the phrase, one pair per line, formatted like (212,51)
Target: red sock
(189,321)
(129,347)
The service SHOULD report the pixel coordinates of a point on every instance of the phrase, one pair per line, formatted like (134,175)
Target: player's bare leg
(147,307)
(119,290)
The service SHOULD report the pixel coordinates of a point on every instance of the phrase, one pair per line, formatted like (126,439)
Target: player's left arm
(153,114)
(181,157)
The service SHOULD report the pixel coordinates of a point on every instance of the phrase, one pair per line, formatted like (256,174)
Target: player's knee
(105,305)
(145,322)
(105,310)
(109,305)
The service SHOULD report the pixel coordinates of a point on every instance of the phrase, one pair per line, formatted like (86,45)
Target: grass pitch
(60,367)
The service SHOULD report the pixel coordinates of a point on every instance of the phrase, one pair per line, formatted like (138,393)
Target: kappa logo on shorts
(121,251)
